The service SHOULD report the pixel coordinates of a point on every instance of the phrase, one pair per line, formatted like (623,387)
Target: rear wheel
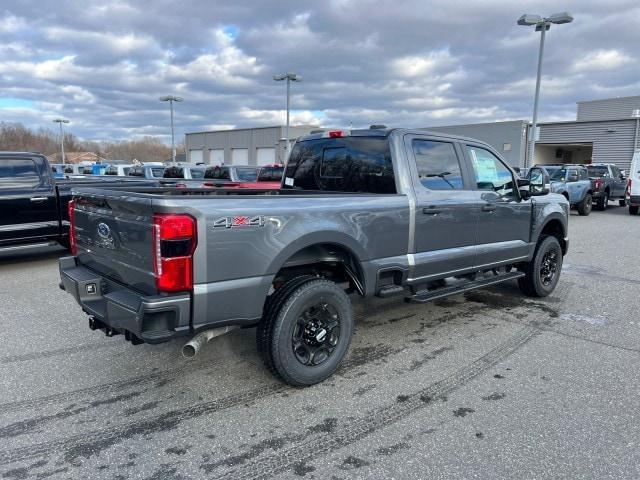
(603,202)
(543,271)
(622,203)
(633,209)
(306,330)
(584,207)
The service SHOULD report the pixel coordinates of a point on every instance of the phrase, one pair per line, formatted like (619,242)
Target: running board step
(390,291)
(455,289)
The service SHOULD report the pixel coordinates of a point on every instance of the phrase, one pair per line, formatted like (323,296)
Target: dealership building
(604,131)
(243,146)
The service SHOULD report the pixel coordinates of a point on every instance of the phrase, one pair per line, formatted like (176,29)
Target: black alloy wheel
(316,334)
(549,266)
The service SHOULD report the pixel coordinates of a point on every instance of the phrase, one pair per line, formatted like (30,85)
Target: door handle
(489,208)
(38,199)
(431,210)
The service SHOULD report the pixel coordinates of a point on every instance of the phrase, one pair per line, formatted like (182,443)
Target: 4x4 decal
(239,221)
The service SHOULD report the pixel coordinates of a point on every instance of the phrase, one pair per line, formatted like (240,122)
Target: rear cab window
(270,174)
(347,164)
(246,174)
(598,171)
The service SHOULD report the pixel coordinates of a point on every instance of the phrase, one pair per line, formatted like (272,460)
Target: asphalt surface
(490,384)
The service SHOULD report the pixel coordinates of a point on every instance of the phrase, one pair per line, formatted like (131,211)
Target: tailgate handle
(38,199)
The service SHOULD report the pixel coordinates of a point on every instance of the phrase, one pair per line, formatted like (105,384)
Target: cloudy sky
(407,63)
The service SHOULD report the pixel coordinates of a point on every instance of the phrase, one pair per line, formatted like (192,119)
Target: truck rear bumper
(118,309)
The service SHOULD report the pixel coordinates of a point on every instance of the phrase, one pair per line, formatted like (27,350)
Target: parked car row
(229,176)
(586,186)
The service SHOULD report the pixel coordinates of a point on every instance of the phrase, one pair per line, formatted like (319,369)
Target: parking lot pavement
(484,385)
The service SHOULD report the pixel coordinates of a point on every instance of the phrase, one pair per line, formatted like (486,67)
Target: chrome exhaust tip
(193,346)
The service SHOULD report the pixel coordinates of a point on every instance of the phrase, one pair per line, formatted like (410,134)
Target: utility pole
(60,121)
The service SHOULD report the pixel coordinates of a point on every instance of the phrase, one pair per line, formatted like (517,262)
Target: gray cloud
(407,63)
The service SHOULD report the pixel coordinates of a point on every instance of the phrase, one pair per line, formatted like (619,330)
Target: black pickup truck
(33,204)
(608,183)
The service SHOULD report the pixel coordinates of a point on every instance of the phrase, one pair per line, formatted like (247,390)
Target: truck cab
(28,202)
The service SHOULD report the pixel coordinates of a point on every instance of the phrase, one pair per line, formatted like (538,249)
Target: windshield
(559,174)
(247,174)
(598,171)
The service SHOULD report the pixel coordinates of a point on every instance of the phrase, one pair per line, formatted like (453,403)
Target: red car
(269,177)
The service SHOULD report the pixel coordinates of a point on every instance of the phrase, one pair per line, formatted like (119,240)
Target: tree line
(19,138)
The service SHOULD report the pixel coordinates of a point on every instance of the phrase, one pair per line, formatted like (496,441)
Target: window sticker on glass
(485,168)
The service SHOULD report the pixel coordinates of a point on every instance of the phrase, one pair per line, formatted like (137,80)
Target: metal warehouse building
(508,138)
(605,131)
(246,146)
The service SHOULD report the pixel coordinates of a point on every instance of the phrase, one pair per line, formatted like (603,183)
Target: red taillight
(71,209)
(336,134)
(598,183)
(174,241)
(628,192)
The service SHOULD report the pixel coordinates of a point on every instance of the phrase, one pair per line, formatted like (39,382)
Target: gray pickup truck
(376,212)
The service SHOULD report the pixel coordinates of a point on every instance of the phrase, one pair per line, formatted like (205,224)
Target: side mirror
(539,183)
(525,193)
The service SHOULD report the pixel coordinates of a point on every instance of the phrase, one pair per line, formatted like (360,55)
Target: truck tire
(584,207)
(622,202)
(306,330)
(543,271)
(603,201)
(633,209)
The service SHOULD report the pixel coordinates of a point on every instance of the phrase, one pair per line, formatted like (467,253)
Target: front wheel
(584,207)
(543,271)
(306,331)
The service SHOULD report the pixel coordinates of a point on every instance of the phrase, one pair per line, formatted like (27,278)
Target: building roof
(610,98)
(75,157)
(252,128)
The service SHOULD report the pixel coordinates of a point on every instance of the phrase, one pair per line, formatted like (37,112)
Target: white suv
(632,195)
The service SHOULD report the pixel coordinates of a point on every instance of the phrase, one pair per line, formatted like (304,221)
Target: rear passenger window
(18,173)
(438,165)
(584,175)
(491,173)
(350,164)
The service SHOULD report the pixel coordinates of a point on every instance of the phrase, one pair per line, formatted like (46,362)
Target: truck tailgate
(114,238)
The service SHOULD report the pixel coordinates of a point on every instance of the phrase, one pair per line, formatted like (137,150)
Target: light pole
(542,24)
(60,121)
(289,77)
(171,99)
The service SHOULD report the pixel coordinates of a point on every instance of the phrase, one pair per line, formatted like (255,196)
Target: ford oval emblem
(104,231)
